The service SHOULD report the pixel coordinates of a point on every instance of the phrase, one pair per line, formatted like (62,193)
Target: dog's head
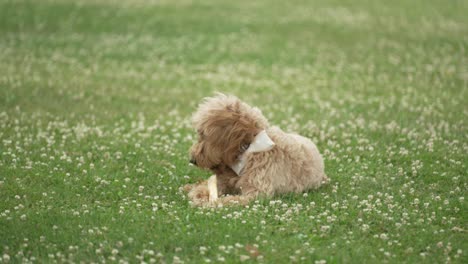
(226,127)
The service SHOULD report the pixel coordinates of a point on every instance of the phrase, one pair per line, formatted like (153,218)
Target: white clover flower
(244,258)
(383,236)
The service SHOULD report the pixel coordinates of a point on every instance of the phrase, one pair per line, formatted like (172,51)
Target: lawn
(95,106)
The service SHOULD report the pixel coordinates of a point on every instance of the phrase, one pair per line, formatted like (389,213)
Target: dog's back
(293,165)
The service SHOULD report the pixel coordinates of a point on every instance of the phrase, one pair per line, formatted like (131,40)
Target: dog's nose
(193,161)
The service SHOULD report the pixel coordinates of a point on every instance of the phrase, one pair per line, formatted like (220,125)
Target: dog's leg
(240,191)
(198,193)
(248,193)
(227,181)
(234,200)
(188,187)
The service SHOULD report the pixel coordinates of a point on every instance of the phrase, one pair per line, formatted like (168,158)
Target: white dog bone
(213,188)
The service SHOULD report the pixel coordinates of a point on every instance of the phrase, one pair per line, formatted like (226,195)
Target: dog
(249,158)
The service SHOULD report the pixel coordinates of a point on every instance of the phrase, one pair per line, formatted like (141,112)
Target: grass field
(95,105)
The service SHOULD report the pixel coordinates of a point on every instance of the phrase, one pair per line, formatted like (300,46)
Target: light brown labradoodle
(248,156)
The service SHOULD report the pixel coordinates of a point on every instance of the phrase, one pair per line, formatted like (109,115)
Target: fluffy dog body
(293,165)
(226,127)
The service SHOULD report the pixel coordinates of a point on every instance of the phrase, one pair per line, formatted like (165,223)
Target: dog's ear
(238,136)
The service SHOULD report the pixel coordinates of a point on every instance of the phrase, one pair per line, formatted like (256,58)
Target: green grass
(95,103)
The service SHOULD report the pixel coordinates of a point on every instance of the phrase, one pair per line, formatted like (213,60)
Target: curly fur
(224,125)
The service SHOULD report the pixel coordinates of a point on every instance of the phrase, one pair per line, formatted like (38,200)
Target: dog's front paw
(199,195)
(187,188)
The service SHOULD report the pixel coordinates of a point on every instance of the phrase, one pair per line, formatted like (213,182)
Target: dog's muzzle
(193,161)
